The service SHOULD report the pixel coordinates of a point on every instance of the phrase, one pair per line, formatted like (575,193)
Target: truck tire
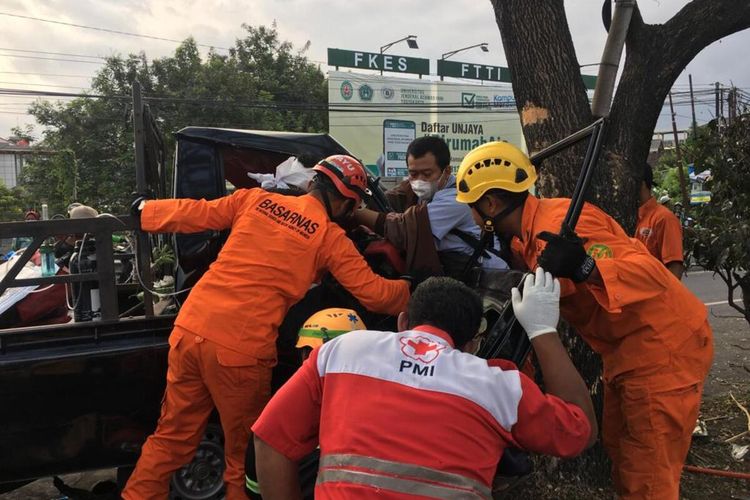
(203,478)
(8,487)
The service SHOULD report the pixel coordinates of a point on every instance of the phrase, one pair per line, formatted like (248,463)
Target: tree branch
(693,28)
(730,292)
(702,22)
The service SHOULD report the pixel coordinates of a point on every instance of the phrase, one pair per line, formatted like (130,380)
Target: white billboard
(375,117)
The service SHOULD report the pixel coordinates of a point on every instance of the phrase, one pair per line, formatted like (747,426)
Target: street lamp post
(411,41)
(482,46)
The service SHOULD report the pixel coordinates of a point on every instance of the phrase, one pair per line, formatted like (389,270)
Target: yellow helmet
(328,324)
(494,165)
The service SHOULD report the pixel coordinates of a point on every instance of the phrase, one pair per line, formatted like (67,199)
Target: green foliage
(699,149)
(13,203)
(162,255)
(92,139)
(720,241)
(25,132)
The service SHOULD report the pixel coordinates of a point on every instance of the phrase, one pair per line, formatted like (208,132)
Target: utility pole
(678,155)
(731,104)
(716,114)
(692,106)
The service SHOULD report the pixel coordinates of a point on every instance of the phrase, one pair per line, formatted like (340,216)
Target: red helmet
(347,174)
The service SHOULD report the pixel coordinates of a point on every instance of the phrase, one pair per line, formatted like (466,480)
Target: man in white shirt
(455,234)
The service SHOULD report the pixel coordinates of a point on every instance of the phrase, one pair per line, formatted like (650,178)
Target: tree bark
(550,95)
(552,101)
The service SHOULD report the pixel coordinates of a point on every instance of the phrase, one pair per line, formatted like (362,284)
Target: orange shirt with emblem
(640,315)
(278,246)
(660,230)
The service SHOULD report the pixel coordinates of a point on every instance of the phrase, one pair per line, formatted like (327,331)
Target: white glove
(539,309)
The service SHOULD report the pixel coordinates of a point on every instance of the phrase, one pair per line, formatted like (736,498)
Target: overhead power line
(447,108)
(43,74)
(52,59)
(51,53)
(43,85)
(105,30)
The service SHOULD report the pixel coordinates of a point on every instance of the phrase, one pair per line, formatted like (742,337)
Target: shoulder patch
(600,251)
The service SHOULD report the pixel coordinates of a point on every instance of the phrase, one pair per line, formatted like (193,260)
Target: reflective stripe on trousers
(399,477)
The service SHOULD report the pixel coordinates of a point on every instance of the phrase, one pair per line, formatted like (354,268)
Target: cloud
(361,24)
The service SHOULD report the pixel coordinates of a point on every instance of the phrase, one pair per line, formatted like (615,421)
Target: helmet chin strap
(491,223)
(327,203)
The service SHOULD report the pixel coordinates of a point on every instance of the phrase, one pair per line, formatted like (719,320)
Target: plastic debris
(739,451)
(700,429)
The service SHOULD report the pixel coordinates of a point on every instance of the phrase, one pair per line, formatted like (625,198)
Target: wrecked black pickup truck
(84,395)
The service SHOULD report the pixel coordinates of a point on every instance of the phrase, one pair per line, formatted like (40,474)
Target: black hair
(447,304)
(430,144)
(308,160)
(322,182)
(324,185)
(648,175)
(508,197)
(287,191)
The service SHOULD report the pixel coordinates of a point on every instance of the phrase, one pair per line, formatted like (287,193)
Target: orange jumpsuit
(655,343)
(660,230)
(223,345)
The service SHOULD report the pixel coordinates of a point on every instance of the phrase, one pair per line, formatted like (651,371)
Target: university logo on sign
(347,90)
(365,92)
(387,93)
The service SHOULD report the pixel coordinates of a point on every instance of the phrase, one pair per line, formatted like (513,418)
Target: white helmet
(664,199)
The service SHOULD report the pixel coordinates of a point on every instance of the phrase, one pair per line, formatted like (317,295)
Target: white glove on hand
(539,309)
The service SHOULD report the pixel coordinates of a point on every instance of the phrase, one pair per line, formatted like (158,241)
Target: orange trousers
(648,421)
(201,375)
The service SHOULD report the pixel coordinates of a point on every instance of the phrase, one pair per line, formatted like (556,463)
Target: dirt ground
(730,374)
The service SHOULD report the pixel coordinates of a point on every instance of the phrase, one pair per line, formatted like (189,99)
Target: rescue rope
(717,472)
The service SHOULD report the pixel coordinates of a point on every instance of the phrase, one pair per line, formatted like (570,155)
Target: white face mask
(424,190)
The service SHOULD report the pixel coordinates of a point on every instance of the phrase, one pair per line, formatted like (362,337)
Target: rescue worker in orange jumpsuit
(658,228)
(223,345)
(650,330)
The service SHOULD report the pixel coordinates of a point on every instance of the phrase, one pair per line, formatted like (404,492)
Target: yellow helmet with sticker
(328,324)
(494,165)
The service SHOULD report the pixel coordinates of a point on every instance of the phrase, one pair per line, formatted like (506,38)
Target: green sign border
(486,73)
(453,69)
(348,59)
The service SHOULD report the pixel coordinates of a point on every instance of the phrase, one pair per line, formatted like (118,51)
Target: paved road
(709,288)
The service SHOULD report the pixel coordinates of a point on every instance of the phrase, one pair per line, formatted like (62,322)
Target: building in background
(376,117)
(13,152)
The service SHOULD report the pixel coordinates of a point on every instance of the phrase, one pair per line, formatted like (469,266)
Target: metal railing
(100,228)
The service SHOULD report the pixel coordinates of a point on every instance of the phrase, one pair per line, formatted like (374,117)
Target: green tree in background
(720,240)
(92,137)
(698,149)
(13,203)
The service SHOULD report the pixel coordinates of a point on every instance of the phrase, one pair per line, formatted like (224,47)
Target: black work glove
(135,209)
(565,257)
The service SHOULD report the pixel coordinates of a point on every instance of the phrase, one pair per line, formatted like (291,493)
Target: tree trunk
(553,103)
